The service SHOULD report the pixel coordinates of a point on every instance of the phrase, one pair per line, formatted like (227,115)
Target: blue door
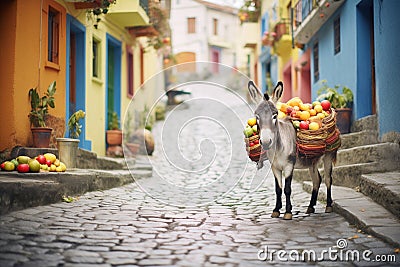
(76,74)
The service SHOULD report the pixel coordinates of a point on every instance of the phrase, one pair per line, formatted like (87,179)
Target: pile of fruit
(42,163)
(315,124)
(252,139)
(304,116)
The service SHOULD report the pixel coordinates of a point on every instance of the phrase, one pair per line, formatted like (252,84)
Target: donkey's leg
(278,192)
(288,192)
(328,164)
(316,179)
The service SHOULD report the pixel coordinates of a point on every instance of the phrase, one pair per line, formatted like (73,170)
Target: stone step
(369,153)
(361,138)
(363,212)
(348,175)
(367,123)
(384,189)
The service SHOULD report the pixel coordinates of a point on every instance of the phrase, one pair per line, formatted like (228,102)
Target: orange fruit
(304,107)
(250,122)
(313,112)
(304,115)
(295,101)
(283,107)
(321,115)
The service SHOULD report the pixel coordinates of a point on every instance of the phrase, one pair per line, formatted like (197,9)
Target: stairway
(366,181)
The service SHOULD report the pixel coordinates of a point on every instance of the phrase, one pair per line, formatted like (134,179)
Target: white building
(204,31)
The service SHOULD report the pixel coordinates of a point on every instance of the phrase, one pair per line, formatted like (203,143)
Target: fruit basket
(252,140)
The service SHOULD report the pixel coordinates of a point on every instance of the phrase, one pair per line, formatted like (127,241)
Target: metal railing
(302,9)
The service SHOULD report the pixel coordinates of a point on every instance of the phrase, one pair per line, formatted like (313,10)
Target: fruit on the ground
(53,168)
(15,162)
(23,159)
(326,105)
(23,167)
(34,165)
(59,169)
(255,128)
(248,131)
(50,156)
(2,165)
(252,121)
(57,162)
(48,162)
(41,159)
(313,126)
(304,125)
(44,167)
(9,166)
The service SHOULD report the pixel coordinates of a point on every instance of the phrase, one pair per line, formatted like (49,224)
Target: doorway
(76,74)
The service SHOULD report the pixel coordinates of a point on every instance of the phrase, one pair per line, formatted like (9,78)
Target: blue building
(353,43)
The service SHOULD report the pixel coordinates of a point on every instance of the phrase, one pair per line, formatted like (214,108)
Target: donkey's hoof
(328,209)
(287,216)
(275,214)
(310,210)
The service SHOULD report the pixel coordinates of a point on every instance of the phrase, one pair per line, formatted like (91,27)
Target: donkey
(278,139)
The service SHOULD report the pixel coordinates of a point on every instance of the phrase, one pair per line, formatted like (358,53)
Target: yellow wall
(23,66)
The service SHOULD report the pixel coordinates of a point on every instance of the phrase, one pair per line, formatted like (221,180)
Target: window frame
(130,72)
(53,36)
(336,35)
(316,60)
(191,25)
(96,61)
(215,26)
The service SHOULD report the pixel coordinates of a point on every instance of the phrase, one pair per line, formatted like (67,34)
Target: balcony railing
(281,28)
(302,9)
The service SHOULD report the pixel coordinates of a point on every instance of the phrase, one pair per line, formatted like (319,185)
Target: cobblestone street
(208,208)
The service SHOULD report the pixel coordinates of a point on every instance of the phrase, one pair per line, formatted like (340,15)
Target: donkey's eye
(274,118)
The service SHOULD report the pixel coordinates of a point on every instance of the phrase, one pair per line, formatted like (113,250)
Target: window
(336,34)
(53,35)
(96,58)
(215,26)
(316,61)
(130,72)
(191,25)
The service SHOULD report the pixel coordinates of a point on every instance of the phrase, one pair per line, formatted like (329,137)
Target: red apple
(41,159)
(48,162)
(251,144)
(23,167)
(289,110)
(326,105)
(293,114)
(256,142)
(2,166)
(304,125)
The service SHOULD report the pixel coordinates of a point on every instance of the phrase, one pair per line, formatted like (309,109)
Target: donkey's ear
(276,95)
(255,94)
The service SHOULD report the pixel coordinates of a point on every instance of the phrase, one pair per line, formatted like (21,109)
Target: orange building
(30,57)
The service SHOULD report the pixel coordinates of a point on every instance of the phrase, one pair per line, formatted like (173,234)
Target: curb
(363,212)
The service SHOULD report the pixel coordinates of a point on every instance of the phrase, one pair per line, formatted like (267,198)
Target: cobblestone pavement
(127,226)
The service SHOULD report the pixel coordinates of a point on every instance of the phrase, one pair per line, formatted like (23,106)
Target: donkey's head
(266,113)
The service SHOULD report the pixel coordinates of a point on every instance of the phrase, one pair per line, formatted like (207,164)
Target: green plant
(74,127)
(127,127)
(146,119)
(113,121)
(40,105)
(343,99)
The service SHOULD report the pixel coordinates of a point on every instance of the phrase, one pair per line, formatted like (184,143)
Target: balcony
(310,15)
(128,13)
(283,36)
(250,33)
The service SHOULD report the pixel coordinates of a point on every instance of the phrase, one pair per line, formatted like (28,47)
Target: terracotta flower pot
(343,119)
(41,136)
(114,137)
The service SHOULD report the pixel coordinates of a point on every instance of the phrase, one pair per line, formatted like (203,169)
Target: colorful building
(98,62)
(352,43)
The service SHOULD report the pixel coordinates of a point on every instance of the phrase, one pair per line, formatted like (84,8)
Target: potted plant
(68,147)
(341,101)
(133,148)
(37,116)
(114,133)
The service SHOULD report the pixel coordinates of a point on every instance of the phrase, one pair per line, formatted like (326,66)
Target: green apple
(248,131)
(255,128)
